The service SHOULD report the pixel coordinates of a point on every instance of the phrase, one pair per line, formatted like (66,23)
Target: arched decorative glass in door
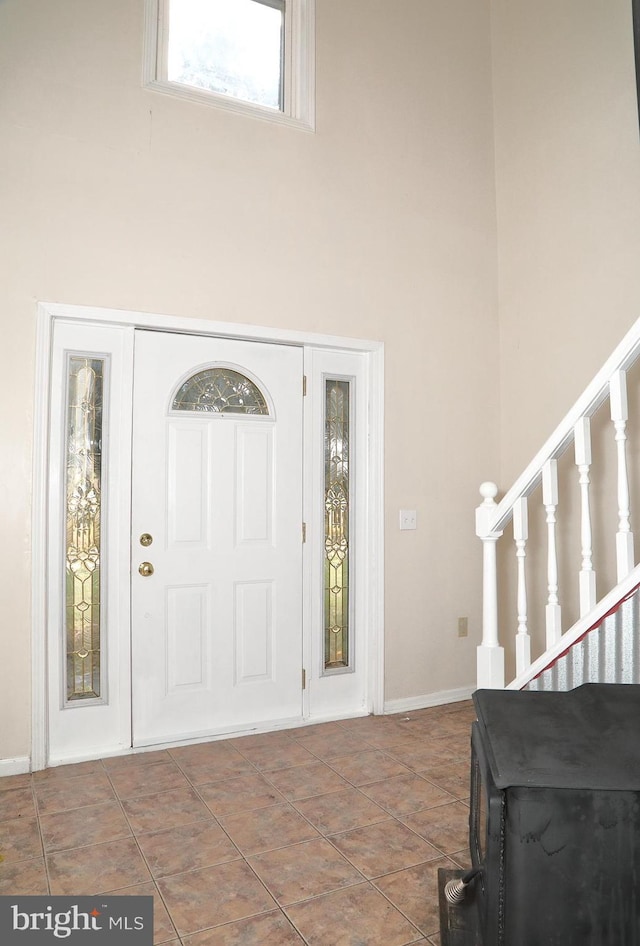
(220,390)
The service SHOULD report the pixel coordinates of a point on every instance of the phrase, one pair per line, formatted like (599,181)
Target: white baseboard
(428,699)
(15,766)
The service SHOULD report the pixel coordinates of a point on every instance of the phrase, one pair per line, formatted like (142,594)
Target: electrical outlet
(408,519)
(463,627)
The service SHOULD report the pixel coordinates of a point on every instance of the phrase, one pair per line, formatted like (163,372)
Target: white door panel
(216,629)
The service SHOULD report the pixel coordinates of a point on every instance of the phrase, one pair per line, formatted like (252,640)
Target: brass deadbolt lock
(146,539)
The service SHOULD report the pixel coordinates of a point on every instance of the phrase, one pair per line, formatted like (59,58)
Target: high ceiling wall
(568,205)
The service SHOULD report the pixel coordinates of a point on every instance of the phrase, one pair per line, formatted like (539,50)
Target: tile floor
(328,835)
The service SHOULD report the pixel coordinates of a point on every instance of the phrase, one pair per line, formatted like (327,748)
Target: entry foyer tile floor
(326,835)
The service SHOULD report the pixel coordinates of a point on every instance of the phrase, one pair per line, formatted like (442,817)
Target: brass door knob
(145,569)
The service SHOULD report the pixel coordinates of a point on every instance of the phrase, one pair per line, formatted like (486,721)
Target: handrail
(595,394)
(491,519)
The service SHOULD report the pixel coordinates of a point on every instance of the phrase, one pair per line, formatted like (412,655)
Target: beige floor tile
(462,859)
(66,794)
(121,763)
(210,897)
(8,782)
(318,729)
(19,840)
(357,916)
(165,810)
(427,712)
(343,824)
(187,847)
(446,827)
(422,728)
(426,753)
(370,766)
(415,893)
(239,794)
(24,878)
(303,781)
(306,870)
(269,929)
(147,779)
(341,811)
(97,869)
(392,734)
(163,929)
(89,825)
(455,724)
(334,744)
(279,737)
(266,829)
(75,770)
(368,724)
(208,748)
(16,803)
(381,848)
(404,794)
(218,750)
(452,777)
(460,747)
(266,759)
(209,762)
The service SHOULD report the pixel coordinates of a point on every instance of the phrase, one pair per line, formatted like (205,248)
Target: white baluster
(521,534)
(550,500)
(490,655)
(619,416)
(582,443)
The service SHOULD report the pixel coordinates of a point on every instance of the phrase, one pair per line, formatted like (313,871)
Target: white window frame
(299,67)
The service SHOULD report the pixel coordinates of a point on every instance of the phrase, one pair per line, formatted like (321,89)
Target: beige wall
(381,225)
(568,199)
(568,209)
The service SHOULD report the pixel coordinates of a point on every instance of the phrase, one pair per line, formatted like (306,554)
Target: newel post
(490,654)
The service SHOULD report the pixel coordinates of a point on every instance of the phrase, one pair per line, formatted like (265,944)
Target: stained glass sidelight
(220,391)
(336,525)
(85,382)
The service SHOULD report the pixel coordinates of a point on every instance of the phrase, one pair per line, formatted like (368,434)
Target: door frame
(370,531)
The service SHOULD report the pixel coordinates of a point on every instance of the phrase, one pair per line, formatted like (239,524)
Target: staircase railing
(492,517)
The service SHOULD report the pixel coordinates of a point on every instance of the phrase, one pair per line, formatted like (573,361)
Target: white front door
(217,494)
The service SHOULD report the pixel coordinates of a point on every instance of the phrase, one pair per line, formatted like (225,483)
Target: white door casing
(217,627)
(62,734)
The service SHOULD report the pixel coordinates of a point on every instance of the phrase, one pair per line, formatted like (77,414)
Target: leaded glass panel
(336,525)
(83,461)
(220,391)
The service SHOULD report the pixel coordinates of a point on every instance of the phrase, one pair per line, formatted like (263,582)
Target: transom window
(234,47)
(253,56)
